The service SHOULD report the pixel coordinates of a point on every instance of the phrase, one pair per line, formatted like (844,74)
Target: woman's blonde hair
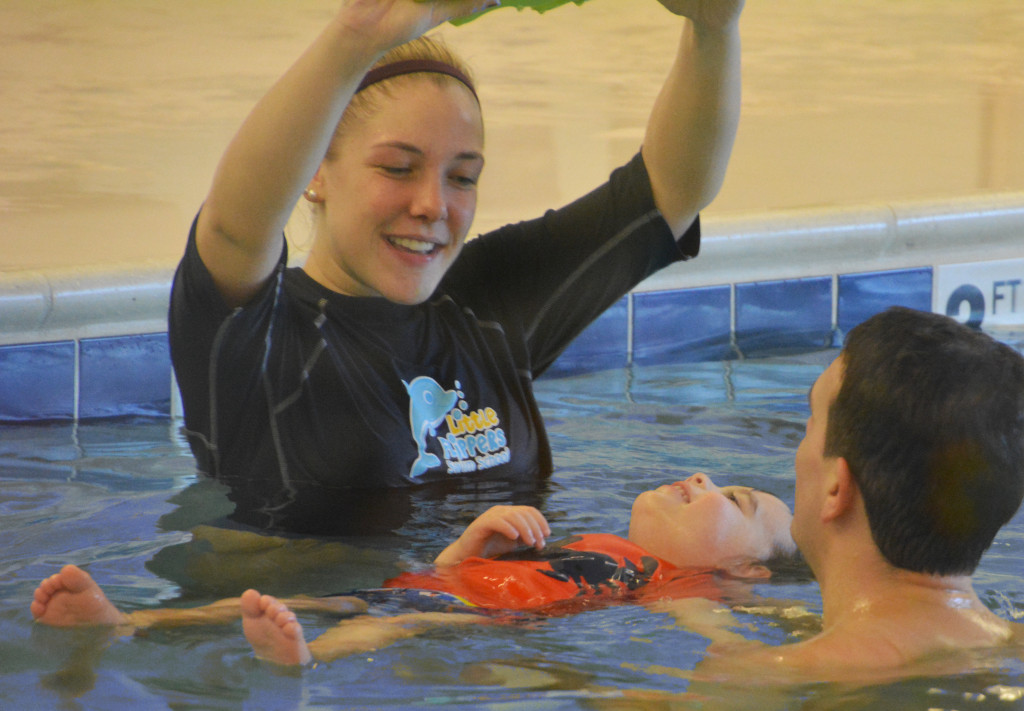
(430,48)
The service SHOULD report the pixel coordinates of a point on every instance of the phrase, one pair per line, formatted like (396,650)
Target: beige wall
(115,112)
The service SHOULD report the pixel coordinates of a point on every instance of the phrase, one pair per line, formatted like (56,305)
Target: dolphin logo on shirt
(428,404)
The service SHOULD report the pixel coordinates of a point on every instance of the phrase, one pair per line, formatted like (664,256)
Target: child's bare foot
(71,597)
(272,630)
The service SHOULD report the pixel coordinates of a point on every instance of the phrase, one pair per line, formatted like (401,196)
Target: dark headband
(412,66)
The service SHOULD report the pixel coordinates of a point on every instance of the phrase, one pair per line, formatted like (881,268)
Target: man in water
(912,461)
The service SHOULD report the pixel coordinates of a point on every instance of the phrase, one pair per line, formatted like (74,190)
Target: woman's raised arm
(693,124)
(281,143)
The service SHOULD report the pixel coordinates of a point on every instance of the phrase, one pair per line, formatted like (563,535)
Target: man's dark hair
(930,418)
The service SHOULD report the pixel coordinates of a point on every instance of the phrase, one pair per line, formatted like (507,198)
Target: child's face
(694,523)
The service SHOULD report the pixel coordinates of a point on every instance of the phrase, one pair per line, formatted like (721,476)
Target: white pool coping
(124,299)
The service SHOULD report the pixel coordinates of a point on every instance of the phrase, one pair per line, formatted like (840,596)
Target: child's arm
(704,617)
(718,623)
(497,530)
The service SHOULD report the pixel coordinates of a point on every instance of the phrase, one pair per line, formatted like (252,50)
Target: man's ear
(842,491)
(748,569)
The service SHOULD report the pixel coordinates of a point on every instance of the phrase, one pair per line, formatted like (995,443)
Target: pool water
(122,500)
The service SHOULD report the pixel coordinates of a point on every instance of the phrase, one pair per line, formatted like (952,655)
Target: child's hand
(508,524)
(705,617)
(498,530)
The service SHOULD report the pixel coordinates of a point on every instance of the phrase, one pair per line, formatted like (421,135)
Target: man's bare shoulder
(1017,635)
(816,659)
(845,658)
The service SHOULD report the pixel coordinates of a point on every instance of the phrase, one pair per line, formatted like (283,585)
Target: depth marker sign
(988,294)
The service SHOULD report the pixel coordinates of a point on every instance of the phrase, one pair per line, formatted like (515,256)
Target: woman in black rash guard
(397,356)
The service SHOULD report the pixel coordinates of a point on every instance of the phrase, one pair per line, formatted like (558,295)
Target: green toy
(538,5)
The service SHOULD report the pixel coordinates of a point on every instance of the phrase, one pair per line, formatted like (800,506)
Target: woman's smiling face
(694,523)
(399,193)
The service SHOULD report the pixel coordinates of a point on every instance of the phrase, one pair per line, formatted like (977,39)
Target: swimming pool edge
(91,342)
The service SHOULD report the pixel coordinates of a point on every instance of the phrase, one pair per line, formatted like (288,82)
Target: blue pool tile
(125,375)
(602,345)
(787,316)
(681,326)
(37,381)
(864,295)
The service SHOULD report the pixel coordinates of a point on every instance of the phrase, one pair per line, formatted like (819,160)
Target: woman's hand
(397,21)
(497,530)
(707,14)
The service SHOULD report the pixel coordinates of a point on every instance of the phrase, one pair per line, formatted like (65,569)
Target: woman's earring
(312,195)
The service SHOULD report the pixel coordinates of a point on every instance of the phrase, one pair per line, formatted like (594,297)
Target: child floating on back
(682,537)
